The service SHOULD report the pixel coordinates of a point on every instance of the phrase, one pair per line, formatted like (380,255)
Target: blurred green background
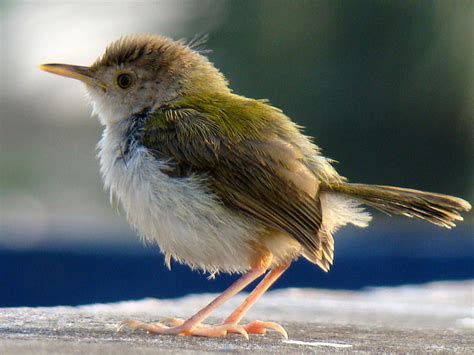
(384,87)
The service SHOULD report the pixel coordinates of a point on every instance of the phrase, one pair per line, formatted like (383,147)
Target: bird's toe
(260,327)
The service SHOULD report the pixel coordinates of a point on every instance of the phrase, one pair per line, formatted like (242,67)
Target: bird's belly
(178,214)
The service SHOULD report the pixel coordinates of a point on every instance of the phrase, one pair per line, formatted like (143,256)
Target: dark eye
(124,80)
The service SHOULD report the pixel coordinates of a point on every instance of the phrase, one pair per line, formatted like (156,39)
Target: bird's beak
(83,74)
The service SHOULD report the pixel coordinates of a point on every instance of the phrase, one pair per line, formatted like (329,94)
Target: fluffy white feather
(339,210)
(186,221)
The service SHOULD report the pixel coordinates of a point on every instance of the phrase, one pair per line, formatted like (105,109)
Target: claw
(200,330)
(121,326)
(235,328)
(172,321)
(276,327)
(156,328)
(132,324)
(259,327)
(219,331)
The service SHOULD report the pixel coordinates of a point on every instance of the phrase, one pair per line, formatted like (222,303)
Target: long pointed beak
(81,73)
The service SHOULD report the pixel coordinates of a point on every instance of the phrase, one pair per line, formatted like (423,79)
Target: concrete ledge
(430,318)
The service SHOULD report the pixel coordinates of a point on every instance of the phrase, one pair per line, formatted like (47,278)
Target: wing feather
(265,179)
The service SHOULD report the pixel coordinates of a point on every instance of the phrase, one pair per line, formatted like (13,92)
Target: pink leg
(258,327)
(190,326)
(261,288)
(235,288)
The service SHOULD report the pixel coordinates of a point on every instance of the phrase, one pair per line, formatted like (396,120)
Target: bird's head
(143,72)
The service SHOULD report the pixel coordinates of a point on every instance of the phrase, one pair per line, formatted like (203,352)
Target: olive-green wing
(265,179)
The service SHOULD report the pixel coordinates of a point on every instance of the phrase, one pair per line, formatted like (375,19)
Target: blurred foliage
(384,87)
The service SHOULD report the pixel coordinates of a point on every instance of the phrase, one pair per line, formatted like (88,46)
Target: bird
(221,182)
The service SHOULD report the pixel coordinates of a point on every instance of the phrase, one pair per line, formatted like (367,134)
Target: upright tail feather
(439,209)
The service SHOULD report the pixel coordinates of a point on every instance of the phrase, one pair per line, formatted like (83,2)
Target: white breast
(186,221)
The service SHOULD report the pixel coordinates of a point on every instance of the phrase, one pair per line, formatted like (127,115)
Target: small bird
(221,182)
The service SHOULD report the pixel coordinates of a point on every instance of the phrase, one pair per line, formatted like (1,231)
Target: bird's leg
(258,327)
(255,327)
(192,325)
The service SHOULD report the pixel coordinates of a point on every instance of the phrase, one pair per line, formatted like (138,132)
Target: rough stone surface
(435,318)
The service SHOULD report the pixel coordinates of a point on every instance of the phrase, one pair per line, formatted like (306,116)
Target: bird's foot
(179,327)
(260,327)
(255,327)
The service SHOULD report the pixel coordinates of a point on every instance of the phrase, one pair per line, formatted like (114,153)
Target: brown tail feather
(442,210)
(324,257)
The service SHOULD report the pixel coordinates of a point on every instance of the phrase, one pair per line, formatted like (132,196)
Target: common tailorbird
(221,182)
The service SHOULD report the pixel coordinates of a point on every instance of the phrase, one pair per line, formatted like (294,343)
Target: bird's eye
(124,80)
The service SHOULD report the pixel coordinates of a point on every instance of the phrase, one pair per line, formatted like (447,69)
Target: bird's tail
(439,209)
